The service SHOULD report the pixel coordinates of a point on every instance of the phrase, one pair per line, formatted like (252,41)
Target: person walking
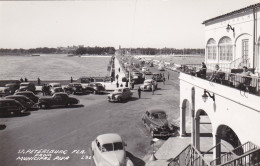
(126,83)
(117,77)
(139,92)
(71,79)
(25,79)
(119,69)
(43,89)
(21,79)
(117,84)
(153,88)
(38,81)
(111,79)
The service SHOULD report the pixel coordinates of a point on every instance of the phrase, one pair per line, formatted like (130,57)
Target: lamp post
(230,27)
(206,94)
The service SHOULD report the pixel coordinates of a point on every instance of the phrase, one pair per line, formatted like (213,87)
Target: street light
(230,27)
(205,96)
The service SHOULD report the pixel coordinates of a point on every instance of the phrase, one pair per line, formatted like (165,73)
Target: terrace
(227,77)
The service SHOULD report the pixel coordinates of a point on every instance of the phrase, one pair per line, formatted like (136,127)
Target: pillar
(183,121)
(192,115)
(217,149)
(197,133)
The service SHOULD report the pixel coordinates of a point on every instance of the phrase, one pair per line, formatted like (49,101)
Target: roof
(109,138)
(234,12)
(23,92)
(15,96)
(156,110)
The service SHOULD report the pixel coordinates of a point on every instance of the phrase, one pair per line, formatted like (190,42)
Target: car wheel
(119,99)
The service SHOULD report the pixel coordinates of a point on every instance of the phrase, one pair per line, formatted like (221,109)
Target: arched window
(225,49)
(211,49)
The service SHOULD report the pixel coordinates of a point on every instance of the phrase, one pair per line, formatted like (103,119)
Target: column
(183,121)
(192,115)
(197,133)
(217,149)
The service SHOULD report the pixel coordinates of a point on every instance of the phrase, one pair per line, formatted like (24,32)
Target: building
(231,101)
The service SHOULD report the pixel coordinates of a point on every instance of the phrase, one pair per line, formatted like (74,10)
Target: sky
(104,23)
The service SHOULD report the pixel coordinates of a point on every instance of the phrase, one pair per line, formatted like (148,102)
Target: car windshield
(112,147)
(160,115)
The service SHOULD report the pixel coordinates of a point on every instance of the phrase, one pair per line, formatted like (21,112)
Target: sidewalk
(111,86)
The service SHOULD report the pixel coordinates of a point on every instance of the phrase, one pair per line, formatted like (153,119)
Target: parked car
(57,99)
(109,150)
(157,77)
(148,72)
(74,88)
(144,69)
(147,86)
(11,107)
(27,86)
(12,87)
(161,68)
(55,87)
(137,77)
(4,91)
(25,101)
(28,94)
(120,94)
(156,121)
(95,88)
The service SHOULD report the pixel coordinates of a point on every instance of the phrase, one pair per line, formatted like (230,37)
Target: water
(52,67)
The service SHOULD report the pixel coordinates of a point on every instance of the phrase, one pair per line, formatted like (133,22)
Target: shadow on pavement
(14,116)
(2,126)
(136,161)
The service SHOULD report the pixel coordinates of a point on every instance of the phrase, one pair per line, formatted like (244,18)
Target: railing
(250,84)
(245,148)
(247,159)
(190,156)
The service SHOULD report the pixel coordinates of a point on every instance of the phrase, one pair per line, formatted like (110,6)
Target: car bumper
(162,134)
(110,99)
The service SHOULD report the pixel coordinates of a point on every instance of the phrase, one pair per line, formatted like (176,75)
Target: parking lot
(72,129)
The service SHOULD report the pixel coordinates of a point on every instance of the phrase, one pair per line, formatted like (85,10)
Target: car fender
(129,162)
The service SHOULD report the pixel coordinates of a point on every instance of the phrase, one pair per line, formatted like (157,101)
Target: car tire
(119,99)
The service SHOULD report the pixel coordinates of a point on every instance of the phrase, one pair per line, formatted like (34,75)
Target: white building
(233,106)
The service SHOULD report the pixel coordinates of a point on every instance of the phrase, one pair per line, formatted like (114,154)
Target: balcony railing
(190,156)
(250,84)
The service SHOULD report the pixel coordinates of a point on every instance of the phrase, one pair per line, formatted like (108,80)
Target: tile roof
(234,12)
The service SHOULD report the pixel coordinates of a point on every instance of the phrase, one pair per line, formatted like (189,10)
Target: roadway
(71,130)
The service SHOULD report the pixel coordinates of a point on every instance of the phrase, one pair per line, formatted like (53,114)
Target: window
(225,49)
(245,49)
(211,49)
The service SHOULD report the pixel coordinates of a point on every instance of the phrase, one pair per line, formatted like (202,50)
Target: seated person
(245,79)
(217,74)
(202,71)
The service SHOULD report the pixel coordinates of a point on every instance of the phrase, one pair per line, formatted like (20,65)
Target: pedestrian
(168,75)
(163,80)
(111,79)
(126,83)
(25,79)
(71,79)
(117,77)
(21,79)
(38,81)
(121,85)
(153,88)
(117,84)
(119,69)
(133,85)
(43,89)
(139,92)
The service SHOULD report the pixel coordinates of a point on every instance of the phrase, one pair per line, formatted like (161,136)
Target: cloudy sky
(129,23)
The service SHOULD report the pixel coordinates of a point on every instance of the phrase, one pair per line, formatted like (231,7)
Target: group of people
(23,80)
(45,90)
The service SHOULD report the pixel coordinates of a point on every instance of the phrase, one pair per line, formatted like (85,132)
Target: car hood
(114,157)
(160,122)
(115,93)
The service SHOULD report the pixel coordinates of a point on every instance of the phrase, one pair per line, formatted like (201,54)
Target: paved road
(70,129)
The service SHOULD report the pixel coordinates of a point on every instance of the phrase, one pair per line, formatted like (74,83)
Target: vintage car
(137,77)
(74,88)
(12,87)
(11,107)
(27,86)
(28,94)
(147,86)
(57,99)
(25,101)
(157,77)
(144,69)
(55,87)
(4,91)
(120,94)
(95,88)
(156,121)
(161,68)
(109,150)
(148,72)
